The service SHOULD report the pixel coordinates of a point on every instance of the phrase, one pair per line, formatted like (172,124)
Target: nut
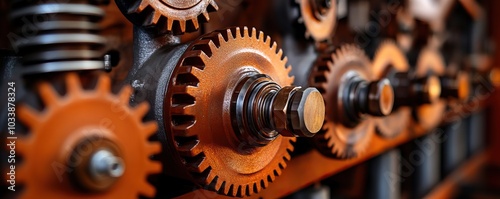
(280,106)
(307,112)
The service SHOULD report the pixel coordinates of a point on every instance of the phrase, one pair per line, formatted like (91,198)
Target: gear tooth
(188,146)
(103,85)
(170,24)
(264,183)
(280,54)
(154,167)
(141,110)
(267,41)
(287,157)
(152,18)
(149,128)
(231,191)
(261,37)
(73,84)
(221,38)
(154,148)
(206,16)
(274,47)
(214,4)
(219,184)
(29,116)
(246,33)
(147,189)
(48,94)
(124,95)
(247,190)
(182,25)
(196,24)
(255,34)
(272,176)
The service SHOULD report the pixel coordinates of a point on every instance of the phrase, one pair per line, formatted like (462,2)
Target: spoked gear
(430,62)
(169,15)
(87,143)
(319,18)
(330,74)
(387,61)
(200,123)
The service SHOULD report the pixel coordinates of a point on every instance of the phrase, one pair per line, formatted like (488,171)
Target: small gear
(77,127)
(428,116)
(388,60)
(319,18)
(170,15)
(331,71)
(198,117)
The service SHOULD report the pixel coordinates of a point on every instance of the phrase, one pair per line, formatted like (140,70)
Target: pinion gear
(335,139)
(173,15)
(197,112)
(79,115)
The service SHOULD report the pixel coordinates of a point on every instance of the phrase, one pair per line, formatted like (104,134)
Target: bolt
(307,112)
(455,87)
(409,91)
(104,164)
(262,109)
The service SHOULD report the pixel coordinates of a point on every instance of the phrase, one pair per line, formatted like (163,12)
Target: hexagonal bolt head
(380,98)
(280,109)
(306,112)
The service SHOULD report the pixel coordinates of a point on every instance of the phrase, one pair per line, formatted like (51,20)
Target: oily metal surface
(389,58)
(197,111)
(67,120)
(428,116)
(329,75)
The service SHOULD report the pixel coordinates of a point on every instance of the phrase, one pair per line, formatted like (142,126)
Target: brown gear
(319,26)
(389,58)
(428,116)
(198,119)
(335,139)
(81,115)
(178,16)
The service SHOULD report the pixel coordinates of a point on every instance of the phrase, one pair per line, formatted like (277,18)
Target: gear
(171,15)
(331,72)
(429,61)
(75,129)
(319,18)
(197,112)
(388,60)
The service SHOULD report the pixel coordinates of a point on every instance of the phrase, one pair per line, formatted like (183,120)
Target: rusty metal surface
(66,121)
(197,113)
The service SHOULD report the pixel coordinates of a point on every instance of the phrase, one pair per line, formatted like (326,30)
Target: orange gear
(428,116)
(198,117)
(319,22)
(389,59)
(179,16)
(85,115)
(336,139)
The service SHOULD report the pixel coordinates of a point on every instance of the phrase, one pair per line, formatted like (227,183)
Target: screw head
(307,112)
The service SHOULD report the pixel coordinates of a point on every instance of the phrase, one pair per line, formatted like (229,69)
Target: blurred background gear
(352,97)
(173,16)
(100,150)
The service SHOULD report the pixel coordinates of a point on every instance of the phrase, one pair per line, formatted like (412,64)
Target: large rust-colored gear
(85,115)
(335,139)
(428,116)
(177,16)
(199,121)
(319,22)
(389,59)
